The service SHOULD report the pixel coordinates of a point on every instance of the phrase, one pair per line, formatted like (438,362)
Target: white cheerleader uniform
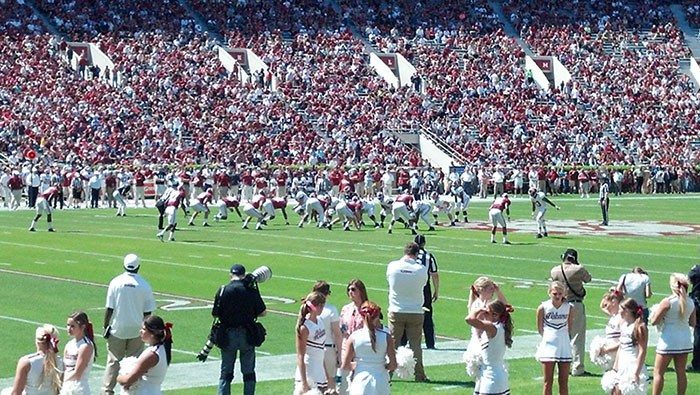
(81,386)
(313,358)
(556,344)
(150,382)
(675,336)
(626,366)
(37,383)
(472,357)
(371,376)
(493,376)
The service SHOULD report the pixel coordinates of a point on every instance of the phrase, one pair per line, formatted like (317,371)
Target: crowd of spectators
(178,104)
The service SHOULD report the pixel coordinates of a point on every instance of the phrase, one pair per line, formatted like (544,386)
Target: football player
(201,205)
(43,206)
(539,208)
(499,205)
(442,205)
(225,204)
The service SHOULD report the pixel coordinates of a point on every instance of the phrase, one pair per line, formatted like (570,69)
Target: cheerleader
(603,349)
(494,326)
(628,376)
(310,345)
(677,313)
(370,354)
(39,373)
(78,355)
(553,324)
(481,293)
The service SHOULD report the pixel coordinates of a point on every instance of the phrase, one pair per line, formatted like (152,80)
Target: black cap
(238,269)
(570,255)
(420,240)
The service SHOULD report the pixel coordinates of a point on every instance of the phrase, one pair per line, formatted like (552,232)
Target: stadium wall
(561,74)
(383,70)
(695,70)
(433,154)
(537,73)
(405,70)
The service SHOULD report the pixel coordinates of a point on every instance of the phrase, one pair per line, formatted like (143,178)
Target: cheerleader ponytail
(81,318)
(679,286)
(48,336)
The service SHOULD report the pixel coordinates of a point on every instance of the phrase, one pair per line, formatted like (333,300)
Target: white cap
(131,262)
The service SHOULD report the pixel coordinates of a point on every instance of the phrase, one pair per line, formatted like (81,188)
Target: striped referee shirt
(426,258)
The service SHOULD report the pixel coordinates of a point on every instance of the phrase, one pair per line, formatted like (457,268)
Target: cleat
(300,226)
(264,222)
(539,235)
(286,223)
(171,239)
(160,237)
(452,223)
(466,220)
(493,241)
(32,230)
(346,229)
(206,225)
(389,231)
(545,234)
(191,224)
(376,226)
(244,227)
(431,229)
(505,242)
(51,230)
(381,225)
(258,227)
(413,232)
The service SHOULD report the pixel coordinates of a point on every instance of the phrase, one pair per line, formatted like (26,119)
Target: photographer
(237,305)
(574,275)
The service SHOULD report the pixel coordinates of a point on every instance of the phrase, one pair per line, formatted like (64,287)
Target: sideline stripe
(282,367)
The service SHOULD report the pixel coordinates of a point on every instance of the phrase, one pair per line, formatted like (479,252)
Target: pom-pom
(598,357)
(72,387)
(628,386)
(609,381)
(473,362)
(126,366)
(406,363)
(6,391)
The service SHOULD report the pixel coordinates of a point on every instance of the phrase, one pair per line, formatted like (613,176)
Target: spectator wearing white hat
(129,300)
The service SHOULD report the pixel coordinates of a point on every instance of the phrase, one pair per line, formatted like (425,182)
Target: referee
(604,199)
(425,258)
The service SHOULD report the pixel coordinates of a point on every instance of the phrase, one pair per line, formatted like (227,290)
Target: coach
(571,273)
(406,278)
(129,300)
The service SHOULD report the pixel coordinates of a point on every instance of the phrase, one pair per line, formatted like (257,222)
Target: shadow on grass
(559,237)
(464,384)
(197,241)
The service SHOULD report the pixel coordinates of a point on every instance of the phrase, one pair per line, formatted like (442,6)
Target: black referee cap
(420,240)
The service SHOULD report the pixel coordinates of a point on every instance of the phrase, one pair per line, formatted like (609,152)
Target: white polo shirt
(635,285)
(129,295)
(406,279)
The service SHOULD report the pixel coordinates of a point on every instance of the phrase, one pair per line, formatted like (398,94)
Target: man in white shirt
(129,300)
(497,177)
(406,278)
(636,285)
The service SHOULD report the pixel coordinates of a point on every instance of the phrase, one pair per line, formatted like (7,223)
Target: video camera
(251,280)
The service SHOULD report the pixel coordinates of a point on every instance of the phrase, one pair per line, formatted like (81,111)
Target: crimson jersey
(139,179)
(324,202)
(246,179)
(204,197)
(261,182)
(501,203)
(279,203)
(258,201)
(175,200)
(49,192)
(231,202)
(185,178)
(355,206)
(406,199)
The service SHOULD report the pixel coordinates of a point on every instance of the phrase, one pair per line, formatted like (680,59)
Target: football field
(45,276)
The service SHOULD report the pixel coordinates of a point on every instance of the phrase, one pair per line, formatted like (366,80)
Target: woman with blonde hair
(603,349)
(554,325)
(676,314)
(495,328)
(310,344)
(39,373)
(367,351)
(481,293)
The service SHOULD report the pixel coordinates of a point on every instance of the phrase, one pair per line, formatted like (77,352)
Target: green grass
(45,276)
